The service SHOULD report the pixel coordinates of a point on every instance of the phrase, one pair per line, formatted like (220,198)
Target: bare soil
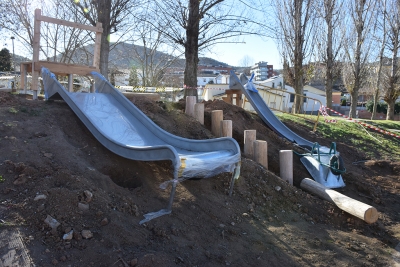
(51,165)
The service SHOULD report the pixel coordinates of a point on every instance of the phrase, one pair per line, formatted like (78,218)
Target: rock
(69,235)
(88,195)
(278,188)
(133,262)
(77,236)
(39,197)
(20,180)
(54,261)
(53,223)
(104,222)
(48,155)
(87,234)
(40,208)
(83,206)
(63,258)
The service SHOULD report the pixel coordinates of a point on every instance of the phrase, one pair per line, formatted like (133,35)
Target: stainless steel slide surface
(267,115)
(125,130)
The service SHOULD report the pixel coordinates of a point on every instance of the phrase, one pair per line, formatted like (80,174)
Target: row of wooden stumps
(258,151)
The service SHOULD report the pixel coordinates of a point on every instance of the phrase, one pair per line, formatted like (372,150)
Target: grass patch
(373,144)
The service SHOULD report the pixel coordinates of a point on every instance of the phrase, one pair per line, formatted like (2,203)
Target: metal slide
(321,162)
(125,130)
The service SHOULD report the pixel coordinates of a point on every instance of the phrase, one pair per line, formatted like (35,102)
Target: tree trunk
(104,11)
(353,104)
(329,56)
(192,49)
(390,109)
(375,106)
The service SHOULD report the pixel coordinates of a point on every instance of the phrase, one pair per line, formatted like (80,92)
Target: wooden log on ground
(356,208)
(152,96)
(261,152)
(286,165)
(226,128)
(216,118)
(199,112)
(190,102)
(249,138)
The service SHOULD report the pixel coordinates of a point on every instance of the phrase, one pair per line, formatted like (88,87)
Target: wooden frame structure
(55,67)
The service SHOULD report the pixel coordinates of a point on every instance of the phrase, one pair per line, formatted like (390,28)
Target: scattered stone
(20,180)
(222,225)
(133,262)
(104,222)
(54,262)
(77,236)
(48,155)
(40,208)
(69,235)
(278,188)
(63,258)
(53,223)
(88,195)
(47,250)
(39,197)
(87,234)
(83,206)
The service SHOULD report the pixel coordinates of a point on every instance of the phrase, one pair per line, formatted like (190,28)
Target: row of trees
(357,40)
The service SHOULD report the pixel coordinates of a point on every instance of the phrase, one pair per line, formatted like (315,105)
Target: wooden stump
(356,208)
(226,128)
(216,118)
(190,101)
(286,165)
(199,112)
(261,152)
(249,138)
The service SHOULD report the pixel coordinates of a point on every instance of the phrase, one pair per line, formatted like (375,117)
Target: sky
(254,47)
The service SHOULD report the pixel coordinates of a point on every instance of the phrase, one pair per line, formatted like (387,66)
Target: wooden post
(35,57)
(190,102)
(24,78)
(249,138)
(70,83)
(226,128)
(199,112)
(356,208)
(216,118)
(97,46)
(286,165)
(261,152)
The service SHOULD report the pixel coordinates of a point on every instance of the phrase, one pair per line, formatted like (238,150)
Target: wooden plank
(65,69)
(363,211)
(36,49)
(71,24)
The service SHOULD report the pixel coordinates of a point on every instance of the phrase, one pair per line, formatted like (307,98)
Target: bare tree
(358,47)
(295,21)
(381,38)
(392,79)
(195,25)
(330,41)
(112,14)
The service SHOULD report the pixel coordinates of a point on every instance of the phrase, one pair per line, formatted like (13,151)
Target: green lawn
(375,145)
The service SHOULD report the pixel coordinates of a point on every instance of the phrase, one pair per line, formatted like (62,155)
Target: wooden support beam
(356,208)
(70,83)
(216,118)
(64,69)
(70,24)
(35,56)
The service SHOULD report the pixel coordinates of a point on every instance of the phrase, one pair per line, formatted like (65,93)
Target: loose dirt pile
(52,167)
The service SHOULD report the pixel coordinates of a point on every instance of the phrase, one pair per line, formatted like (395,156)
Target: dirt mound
(52,167)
